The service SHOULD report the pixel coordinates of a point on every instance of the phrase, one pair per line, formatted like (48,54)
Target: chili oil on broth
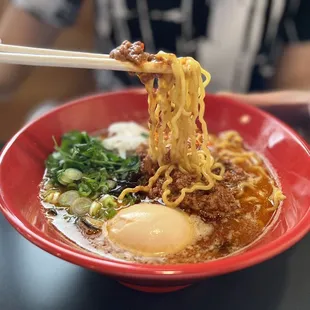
(210,238)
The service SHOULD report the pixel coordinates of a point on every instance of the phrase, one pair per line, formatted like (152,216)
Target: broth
(226,220)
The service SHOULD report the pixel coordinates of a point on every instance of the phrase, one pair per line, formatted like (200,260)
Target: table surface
(31,279)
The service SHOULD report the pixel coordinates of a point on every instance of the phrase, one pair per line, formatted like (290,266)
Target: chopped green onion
(73,174)
(104,188)
(66,199)
(84,190)
(108,202)
(95,208)
(81,206)
(52,197)
(129,200)
(109,213)
(72,186)
(93,224)
(63,179)
(81,162)
(94,196)
(111,184)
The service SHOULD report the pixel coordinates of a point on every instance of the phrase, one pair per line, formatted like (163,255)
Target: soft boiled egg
(151,230)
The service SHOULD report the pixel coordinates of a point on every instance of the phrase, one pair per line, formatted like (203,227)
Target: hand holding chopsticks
(20,55)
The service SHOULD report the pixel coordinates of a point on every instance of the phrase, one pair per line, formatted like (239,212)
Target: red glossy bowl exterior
(22,166)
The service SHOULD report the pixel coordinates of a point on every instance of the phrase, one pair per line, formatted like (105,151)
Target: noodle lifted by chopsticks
(176,108)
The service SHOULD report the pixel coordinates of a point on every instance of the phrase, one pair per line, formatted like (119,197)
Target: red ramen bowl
(22,166)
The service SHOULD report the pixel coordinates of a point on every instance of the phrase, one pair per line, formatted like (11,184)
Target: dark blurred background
(50,83)
(291,70)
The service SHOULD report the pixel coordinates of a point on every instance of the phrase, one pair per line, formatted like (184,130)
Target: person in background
(247,45)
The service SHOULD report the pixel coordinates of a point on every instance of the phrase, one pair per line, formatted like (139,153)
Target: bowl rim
(165,272)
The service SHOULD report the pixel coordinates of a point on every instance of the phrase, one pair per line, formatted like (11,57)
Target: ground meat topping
(148,167)
(142,151)
(234,175)
(219,202)
(132,52)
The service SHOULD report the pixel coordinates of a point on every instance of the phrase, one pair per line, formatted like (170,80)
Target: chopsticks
(31,56)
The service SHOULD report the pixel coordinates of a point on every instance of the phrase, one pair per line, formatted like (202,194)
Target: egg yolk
(151,229)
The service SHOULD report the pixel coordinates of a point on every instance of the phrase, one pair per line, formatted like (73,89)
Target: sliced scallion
(81,206)
(52,197)
(111,184)
(108,202)
(109,213)
(66,199)
(105,188)
(72,186)
(95,208)
(63,179)
(84,190)
(73,174)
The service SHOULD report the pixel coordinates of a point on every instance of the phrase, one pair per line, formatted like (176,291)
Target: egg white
(152,230)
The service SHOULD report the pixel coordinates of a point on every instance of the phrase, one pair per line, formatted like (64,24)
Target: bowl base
(154,289)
